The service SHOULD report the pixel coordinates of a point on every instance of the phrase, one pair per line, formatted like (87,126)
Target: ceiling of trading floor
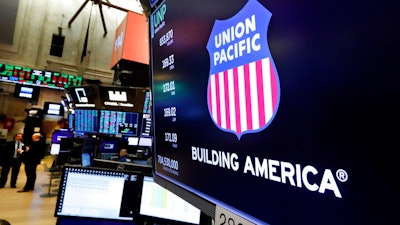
(9,10)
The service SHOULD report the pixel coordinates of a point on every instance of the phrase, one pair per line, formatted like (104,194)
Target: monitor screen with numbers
(99,193)
(277,111)
(86,120)
(160,206)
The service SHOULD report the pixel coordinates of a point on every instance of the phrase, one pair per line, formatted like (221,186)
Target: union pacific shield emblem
(243,88)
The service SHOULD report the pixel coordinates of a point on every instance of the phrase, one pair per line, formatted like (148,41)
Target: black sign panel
(122,98)
(283,112)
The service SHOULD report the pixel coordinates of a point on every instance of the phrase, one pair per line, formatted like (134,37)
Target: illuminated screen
(145,141)
(53,109)
(27,92)
(146,125)
(281,107)
(48,79)
(159,203)
(147,103)
(70,121)
(108,146)
(117,122)
(86,120)
(58,135)
(86,159)
(54,149)
(132,141)
(98,193)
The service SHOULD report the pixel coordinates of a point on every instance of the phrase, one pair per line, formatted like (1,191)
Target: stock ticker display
(49,79)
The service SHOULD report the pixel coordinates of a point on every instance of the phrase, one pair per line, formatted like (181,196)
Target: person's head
(4,222)
(123,152)
(36,137)
(18,137)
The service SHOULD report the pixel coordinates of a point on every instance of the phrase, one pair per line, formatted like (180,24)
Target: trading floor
(30,208)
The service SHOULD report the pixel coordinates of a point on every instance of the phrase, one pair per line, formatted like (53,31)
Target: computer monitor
(90,221)
(55,109)
(86,120)
(59,134)
(54,149)
(99,193)
(158,205)
(118,122)
(70,151)
(109,146)
(86,159)
(145,141)
(132,141)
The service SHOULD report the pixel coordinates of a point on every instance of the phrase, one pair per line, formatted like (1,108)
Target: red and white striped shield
(243,88)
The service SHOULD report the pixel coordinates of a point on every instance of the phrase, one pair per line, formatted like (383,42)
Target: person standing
(12,160)
(31,157)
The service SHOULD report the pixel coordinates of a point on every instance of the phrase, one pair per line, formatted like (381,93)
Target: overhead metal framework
(100,4)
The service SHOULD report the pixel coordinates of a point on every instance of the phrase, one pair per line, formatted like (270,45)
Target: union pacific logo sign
(243,88)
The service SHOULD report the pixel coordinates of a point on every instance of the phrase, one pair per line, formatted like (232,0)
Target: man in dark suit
(11,160)
(31,157)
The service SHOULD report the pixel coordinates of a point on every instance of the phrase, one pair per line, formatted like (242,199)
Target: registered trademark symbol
(342,175)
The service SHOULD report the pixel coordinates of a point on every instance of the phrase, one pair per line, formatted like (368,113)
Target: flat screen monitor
(89,145)
(54,149)
(159,205)
(70,121)
(145,141)
(132,141)
(58,135)
(54,109)
(109,146)
(70,151)
(99,193)
(146,125)
(86,120)
(147,103)
(86,159)
(28,92)
(118,122)
(282,108)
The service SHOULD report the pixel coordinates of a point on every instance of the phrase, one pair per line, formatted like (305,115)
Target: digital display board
(117,122)
(278,111)
(86,120)
(49,79)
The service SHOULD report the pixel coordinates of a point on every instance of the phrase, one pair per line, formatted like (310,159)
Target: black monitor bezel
(130,173)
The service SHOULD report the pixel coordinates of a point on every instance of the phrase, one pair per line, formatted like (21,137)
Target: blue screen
(57,135)
(117,122)
(108,146)
(86,120)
